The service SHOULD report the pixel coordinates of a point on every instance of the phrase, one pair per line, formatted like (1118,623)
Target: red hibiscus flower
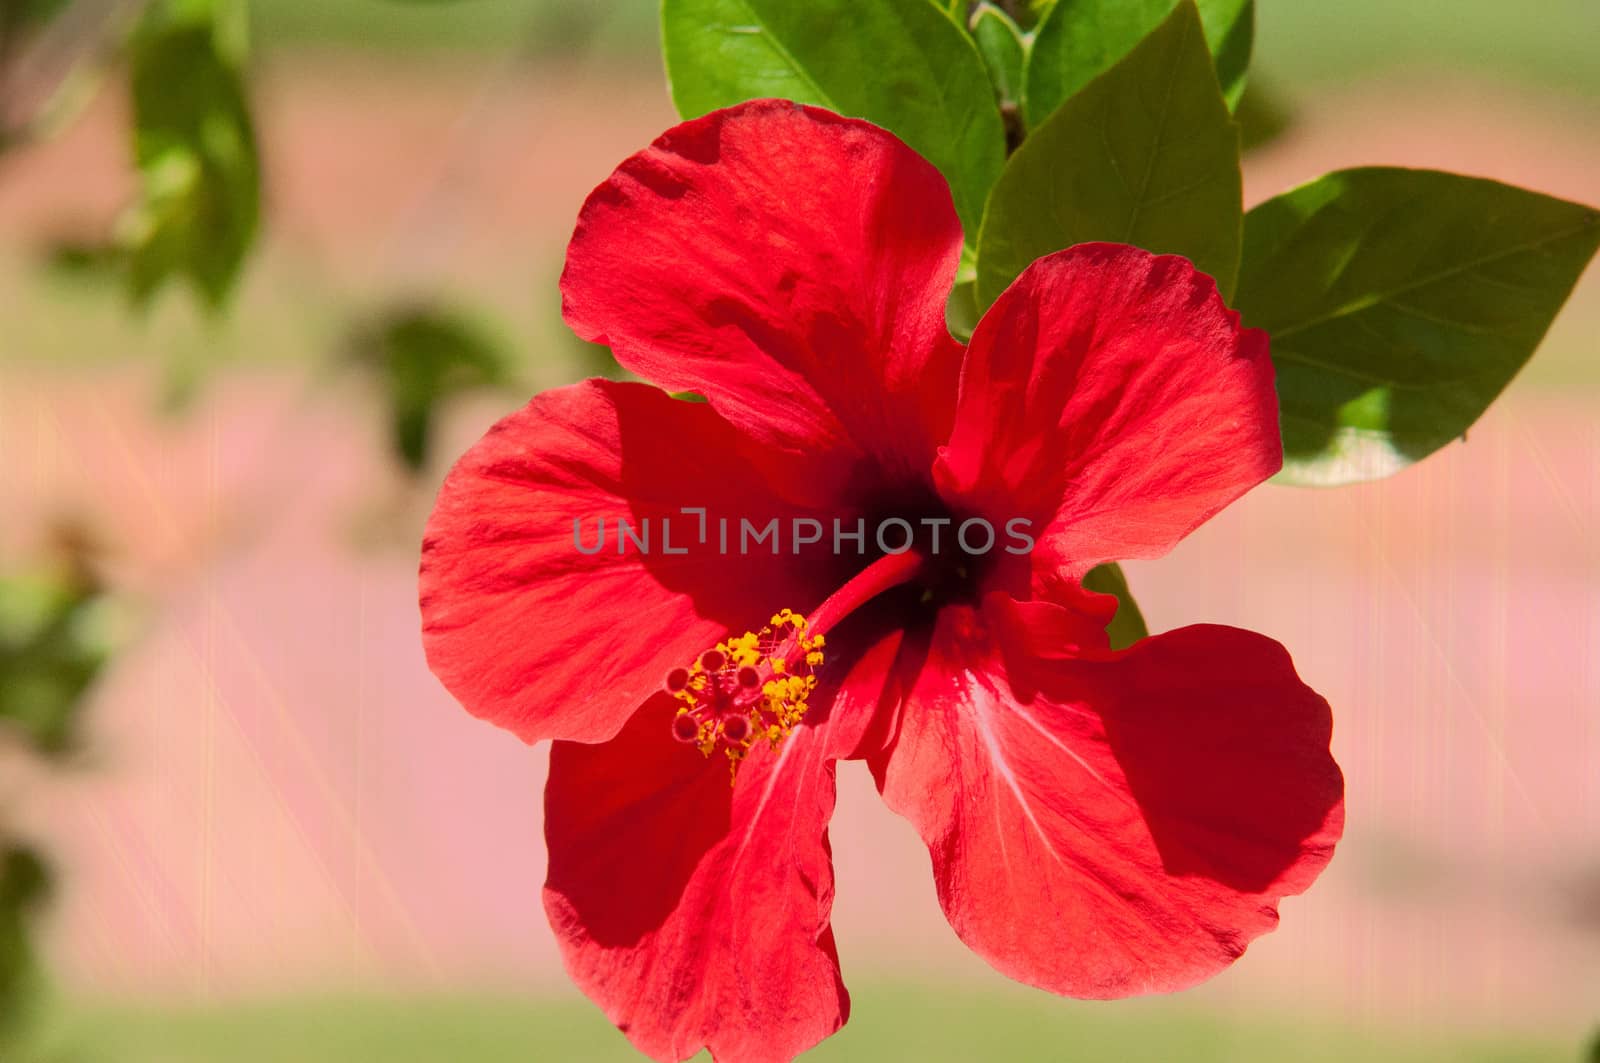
(1100,823)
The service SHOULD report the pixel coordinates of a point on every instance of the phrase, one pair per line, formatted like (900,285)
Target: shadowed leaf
(1077,40)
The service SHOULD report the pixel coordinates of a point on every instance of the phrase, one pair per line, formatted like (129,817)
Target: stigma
(748,689)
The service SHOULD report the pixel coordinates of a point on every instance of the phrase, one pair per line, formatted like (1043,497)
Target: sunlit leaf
(903,64)
(1400,303)
(1146,154)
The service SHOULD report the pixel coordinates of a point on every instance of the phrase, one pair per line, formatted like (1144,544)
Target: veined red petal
(793,267)
(694,913)
(1107,827)
(549,641)
(1111,392)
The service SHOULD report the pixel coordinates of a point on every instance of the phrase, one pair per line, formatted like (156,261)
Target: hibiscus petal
(792,266)
(694,913)
(548,641)
(1102,828)
(1112,393)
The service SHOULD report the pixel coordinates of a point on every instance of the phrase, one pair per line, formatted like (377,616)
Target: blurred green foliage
(20,22)
(56,634)
(20,16)
(1300,45)
(949,1024)
(195,146)
(425,355)
(24,888)
(622,27)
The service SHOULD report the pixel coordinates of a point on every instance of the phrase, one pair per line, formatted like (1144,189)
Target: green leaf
(961,309)
(1146,154)
(1400,303)
(961,314)
(195,147)
(1077,40)
(1004,50)
(902,64)
(1128,626)
(426,355)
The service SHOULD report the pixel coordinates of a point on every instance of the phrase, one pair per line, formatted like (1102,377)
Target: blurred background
(269,834)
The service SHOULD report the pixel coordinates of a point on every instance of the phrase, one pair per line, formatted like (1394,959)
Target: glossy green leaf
(426,355)
(1146,154)
(1400,303)
(902,64)
(1128,626)
(1077,40)
(195,147)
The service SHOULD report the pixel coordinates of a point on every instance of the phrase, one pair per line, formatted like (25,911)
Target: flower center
(755,687)
(747,689)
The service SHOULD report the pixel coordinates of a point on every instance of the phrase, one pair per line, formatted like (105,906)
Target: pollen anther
(751,687)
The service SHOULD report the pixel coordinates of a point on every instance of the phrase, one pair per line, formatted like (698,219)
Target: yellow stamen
(733,714)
